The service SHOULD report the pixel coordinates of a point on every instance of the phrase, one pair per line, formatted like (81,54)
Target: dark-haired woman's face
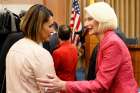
(47,28)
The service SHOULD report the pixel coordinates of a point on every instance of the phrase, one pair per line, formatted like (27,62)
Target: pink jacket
(114,70)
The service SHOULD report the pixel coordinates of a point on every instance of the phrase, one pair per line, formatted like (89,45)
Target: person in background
(26,59)
(81,65)
(114,71)
(65,56)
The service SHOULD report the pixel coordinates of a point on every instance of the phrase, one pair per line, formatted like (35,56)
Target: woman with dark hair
(26,59)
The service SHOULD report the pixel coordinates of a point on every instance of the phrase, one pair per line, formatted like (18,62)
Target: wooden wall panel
(59,9)
(137,23)
(126,27)
(128,16)
(20,1)
(132,18)
(17,5)
(135,55)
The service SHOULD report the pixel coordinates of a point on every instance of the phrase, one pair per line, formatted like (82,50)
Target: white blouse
(26,61)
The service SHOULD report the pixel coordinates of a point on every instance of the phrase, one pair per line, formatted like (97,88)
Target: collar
(63,43)
(106,35)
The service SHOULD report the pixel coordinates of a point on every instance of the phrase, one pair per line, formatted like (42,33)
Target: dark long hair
(34,19)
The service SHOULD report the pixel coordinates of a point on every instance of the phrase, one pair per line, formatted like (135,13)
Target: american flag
(75,22)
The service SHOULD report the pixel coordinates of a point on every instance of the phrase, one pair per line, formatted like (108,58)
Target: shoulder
(57,52)
(29,48)
(111,38)
(40,51)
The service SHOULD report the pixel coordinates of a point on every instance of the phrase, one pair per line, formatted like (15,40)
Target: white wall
(15,8)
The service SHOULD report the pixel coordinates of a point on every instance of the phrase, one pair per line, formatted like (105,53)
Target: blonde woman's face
(91,25)
(46,30)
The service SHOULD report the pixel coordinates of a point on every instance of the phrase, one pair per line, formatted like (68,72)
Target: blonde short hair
(104,14)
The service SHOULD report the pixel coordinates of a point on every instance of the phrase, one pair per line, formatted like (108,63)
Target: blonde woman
(114,71)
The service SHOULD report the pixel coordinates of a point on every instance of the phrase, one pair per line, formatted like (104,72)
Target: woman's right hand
(52,83)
